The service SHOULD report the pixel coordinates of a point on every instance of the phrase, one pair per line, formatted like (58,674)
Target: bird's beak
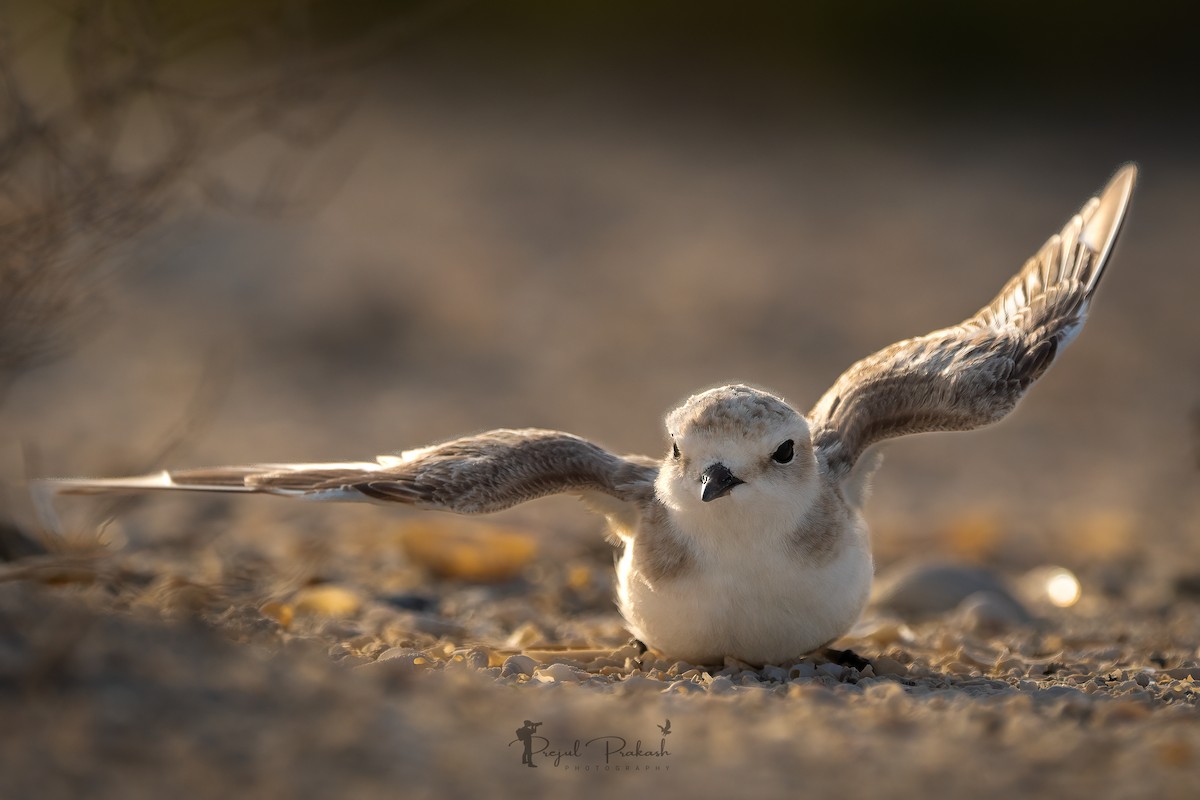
(717,481)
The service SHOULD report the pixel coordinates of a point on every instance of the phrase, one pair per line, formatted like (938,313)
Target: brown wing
(974,373)
(500,469)
(475,474)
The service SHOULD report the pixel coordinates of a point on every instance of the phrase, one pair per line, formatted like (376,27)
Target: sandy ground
(583,260)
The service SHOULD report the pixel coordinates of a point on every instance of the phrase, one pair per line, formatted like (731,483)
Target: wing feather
(474,474)
(974,373)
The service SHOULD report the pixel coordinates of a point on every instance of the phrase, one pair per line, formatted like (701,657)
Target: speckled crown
(729,410)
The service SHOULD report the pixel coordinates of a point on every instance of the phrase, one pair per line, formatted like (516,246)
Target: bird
(666,729)
(746,538)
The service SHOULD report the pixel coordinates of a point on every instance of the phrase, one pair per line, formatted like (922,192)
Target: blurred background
(312,230)
(298,230)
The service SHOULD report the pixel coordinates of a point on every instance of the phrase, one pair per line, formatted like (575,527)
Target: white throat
(750,515)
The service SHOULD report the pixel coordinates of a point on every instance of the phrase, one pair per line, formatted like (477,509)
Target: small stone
(732,663)
(649,660)
(1143,679)
(804,670)
(925,589)
(476,657)
(400,652)
(518,665)
(682,687)
(327,600)
(721,685)
(638,683)
(835,671)
(467,550)
(888,666)
(558,673)
(774,673)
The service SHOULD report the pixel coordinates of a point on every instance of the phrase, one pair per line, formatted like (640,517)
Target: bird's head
(739,450)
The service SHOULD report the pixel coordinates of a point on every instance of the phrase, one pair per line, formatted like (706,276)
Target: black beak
(718,481)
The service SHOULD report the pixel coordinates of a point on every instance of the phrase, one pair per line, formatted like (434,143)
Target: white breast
(746,593)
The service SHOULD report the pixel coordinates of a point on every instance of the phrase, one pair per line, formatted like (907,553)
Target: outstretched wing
(473,475)
(974,373)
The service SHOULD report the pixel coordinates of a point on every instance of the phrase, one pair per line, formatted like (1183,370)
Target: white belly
(761,604)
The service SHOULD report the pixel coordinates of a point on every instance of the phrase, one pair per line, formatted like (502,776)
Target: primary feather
(974,373)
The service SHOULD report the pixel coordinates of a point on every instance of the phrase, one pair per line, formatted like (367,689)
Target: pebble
(736,664)
(774,673)
(721,685)
(805,670)
(482,658)
(989,613)
(518,665)
(558,673)
(835,671)
(922,589)
(467,550)
(638,683)
(403,654)
(475,657)
(886,665)
(1182,673)
(327,600)
(1071,697)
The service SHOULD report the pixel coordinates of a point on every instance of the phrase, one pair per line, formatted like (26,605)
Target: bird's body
(747,539)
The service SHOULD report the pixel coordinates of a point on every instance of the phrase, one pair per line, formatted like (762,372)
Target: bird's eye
(674,449)
(785,452)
